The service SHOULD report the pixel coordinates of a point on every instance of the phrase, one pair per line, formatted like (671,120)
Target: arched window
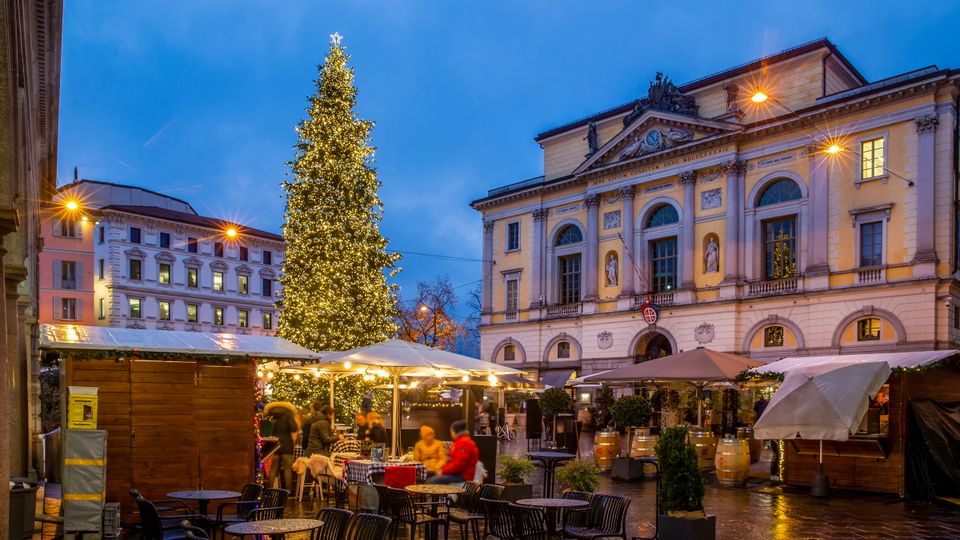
(664,214)
(780,191)
(509,353)
(569,235)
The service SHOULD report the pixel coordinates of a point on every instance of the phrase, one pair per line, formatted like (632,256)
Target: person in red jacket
(464,455)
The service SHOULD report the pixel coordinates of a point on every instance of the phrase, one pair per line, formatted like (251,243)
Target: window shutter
(78,307)
(57,308)
(57,277)
(56,227)
(78,228)
(79,278)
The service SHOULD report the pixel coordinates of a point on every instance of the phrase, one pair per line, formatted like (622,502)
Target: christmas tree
(335,290)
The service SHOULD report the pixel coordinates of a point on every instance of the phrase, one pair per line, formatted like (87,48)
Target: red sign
(650,312)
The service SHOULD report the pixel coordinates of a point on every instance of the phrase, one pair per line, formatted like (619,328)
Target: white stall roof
(72,336)
(912,359)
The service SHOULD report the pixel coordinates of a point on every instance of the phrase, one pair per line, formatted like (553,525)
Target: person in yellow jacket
(430,451)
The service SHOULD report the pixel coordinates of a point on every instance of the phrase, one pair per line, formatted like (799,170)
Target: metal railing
(866,276)
(773,287)
(563,311)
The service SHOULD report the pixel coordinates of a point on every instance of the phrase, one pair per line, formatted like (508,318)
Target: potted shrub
(512,474)
(681,490)
(553,402)
(578,475)
(629,412)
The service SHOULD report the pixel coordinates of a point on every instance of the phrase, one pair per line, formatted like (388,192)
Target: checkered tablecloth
(361,470)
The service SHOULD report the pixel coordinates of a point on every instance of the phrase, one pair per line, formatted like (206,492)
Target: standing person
(322,433)
(285,430)
(305,427)
(430,451)
(376,433)
(482,419)
(362,427)
(464,456)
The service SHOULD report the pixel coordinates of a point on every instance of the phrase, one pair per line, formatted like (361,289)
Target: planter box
(674,528)
(515,492)
(627,469)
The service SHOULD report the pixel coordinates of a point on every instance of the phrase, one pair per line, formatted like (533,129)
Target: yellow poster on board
(82,407)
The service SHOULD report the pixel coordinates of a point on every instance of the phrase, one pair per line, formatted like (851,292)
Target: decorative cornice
(734,166)
(267,273)
(592,200)
(165,257)
(688,178)
(244,269)
(193,262)
(926,123)
(136,253)
(540,214)
(219,265)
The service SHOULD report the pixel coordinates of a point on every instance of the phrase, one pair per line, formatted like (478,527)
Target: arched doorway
(650,346)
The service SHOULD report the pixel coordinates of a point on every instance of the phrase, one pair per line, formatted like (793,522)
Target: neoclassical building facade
(787,206)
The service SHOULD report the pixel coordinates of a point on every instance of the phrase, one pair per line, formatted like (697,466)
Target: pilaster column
(818,231)
(487,266)
(926,158)
(537,279)
(627,271)
(592,202)
(730,253)
(688,244)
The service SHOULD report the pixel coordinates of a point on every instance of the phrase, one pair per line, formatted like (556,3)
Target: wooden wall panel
(226,402)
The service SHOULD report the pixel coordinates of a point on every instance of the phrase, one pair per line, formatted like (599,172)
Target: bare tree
(427,318)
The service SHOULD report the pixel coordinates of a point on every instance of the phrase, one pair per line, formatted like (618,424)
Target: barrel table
(645,445)
(706,446)
(733,461)
(606,446)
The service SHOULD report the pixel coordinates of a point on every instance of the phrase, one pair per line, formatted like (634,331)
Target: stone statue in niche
(613,270)
(711,257)
(592,144)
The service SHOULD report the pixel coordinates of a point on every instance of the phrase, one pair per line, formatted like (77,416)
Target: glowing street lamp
(758,97)
(71,205)
(834,149)
(231,232)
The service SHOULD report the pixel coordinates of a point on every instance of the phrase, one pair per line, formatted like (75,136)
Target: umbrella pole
(699,407)
(395,418)
(331,390)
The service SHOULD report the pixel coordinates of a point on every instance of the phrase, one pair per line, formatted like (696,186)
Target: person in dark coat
(322,433)
(376,433)
(285,430)
(305,428)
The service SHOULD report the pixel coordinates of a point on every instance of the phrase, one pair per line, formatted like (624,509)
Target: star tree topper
(336,38)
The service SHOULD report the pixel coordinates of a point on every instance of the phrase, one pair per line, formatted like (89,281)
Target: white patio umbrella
(397,358)
(822,402)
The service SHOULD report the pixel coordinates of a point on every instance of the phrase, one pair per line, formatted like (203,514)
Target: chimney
(76,174)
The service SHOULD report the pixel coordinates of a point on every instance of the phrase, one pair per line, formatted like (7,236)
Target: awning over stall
(911,359)
(556,378)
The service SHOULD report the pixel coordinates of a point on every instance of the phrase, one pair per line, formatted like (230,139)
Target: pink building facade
(66,267)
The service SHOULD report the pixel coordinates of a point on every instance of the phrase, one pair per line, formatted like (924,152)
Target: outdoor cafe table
(550,460)
(560,505)
(434,492)
(203,497)
(362,470)
(273,527)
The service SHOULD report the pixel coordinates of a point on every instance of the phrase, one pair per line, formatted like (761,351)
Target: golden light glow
(492,379)
(465,378)
(347,365)
(414,384)
(424,308)
(260,374)
(231,233)
(83,218)
(834,149)
(71,205)
(296,377)
(270,375)
(758,97)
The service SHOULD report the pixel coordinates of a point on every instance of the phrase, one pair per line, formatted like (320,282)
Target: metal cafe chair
(367,527)
(152,525)
(608,519)
(579,517)
(474,516)
(499,519)
(335,521)
(413,514)
(272,505)
(464,510)
(249,499)
(190,531)
(530,522)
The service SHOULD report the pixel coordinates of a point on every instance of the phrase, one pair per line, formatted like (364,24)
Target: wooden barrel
(733,461)
(756,445)
(644,445)
(706,446)
(606,446)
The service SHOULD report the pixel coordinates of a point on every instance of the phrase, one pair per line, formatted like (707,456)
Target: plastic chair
(499,519)
(531,523)
(335,521)
(578,517)
(367,527)
(400,476)
(249,499)
(608,519)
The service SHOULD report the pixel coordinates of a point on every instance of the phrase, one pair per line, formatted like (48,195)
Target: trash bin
(23,509)
(52,451)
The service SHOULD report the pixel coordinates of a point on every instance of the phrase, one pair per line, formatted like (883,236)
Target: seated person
(464,456)
(376,433)
(430,451)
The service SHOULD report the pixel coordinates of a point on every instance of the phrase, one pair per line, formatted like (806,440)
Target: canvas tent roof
(73,336)
(911,359)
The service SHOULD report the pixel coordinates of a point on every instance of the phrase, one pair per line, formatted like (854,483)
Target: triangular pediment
(654,132)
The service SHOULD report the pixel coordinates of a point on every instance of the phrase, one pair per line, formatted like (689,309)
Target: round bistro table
(559,505)
(273,527)
(434,492)
(203,497)
(550,460)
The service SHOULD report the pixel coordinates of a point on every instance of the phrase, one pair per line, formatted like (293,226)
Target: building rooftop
(80,184)
(193,219)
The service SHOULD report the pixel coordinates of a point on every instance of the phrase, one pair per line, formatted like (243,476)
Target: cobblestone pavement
(761,511)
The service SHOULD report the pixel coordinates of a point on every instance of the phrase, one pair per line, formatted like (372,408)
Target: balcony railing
(774,286)
(563,311)
(869,276)
(510,316)
(660,299)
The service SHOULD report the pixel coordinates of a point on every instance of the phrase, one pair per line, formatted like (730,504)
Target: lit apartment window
(192,245)
(773,336)
(218,316)
(871,244)
(192,312)
(134,235)
(68,309)
(513,236)
(101,268)
(101,308)
(136,308)
(163,275)
(512,289)
(192,280)
(244,253)
(218,249)
(267,257)
(68,274)
(135,269)
(165,240)
(509,353)
(871,158)
(563,349)
(267,321)
(243,284)
(243,318)
(267,287)
(780,248)
(164,310)
(868,329)
(218,281)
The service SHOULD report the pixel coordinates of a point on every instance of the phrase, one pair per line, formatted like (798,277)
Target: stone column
(730,251)
(687,244)
(926,200)
(818,231)
(538,252)
(628,258)
(592,202)
(487,266)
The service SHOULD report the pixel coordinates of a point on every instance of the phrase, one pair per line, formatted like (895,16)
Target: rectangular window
(192,245)
(244,253)
(136,308)
(956,317)
(163,274)
(218,316)
(68,228)
(135,269)
(509,353)
(192,311)
(267,321)
(871,159)
(267,287)
(513,236)
(780,248)
(101,269)
(101,308)
(165,240)
(192,280)
(663,257)
(569,267)
(134,235)
(243,318)
(267,257)
(68,274)
(218,281)
(101,234)
(871,244)
(243,284)
(868,329)
(512,300)
(773,336)
(563,349)
(164,310)
(68,309)
(218,249)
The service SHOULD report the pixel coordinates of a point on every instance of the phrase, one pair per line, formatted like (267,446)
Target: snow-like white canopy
(77,337)
(909,359)
(404,358)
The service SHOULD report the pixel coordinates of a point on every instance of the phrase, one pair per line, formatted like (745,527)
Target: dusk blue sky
(199,99)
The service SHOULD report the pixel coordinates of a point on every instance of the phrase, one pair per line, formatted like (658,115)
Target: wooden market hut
(876,459)
(178,407)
